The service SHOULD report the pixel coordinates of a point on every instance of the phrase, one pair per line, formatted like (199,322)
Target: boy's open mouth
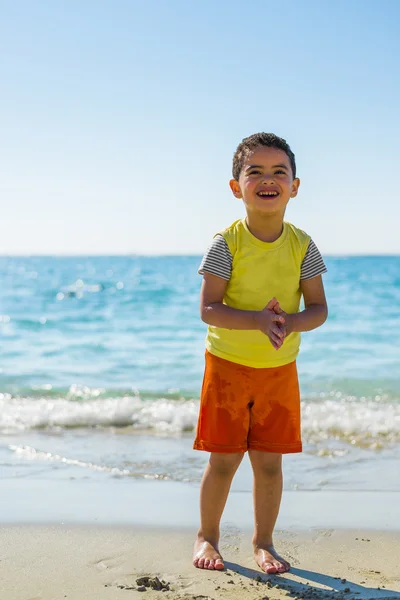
(272,194)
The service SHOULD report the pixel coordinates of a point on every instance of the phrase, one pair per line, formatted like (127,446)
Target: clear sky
(118,120)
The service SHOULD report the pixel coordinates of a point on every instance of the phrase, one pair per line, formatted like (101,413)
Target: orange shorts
(245,408)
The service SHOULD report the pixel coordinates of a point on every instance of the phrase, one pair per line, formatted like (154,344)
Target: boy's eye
(280,172)
(254,172)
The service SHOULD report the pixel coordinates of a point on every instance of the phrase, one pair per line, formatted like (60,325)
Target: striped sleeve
(217,259)
(313,263)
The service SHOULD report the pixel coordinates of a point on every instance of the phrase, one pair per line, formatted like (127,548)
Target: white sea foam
(163,415)
(358,421)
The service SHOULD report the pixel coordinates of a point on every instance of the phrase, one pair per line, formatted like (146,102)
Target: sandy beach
(96,563)
(88,540)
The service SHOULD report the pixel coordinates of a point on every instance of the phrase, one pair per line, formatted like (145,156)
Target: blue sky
(119,120)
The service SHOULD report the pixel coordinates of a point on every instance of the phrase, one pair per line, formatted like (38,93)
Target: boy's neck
(267,228)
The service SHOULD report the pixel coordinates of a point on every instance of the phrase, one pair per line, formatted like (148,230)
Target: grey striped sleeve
(217,259)
(313,263)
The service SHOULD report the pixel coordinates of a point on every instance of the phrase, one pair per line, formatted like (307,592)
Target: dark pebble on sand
(343,580)
(269,584)
(231,581)
(141,588)
(154,583)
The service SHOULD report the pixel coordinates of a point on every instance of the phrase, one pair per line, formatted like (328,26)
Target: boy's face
(266,182)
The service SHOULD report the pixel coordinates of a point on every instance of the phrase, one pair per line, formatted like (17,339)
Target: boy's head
(249,144)
(264,174)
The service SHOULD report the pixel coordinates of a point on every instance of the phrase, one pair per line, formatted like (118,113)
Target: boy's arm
(214,312)
(316,308)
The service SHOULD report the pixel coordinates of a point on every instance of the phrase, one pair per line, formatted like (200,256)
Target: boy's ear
(235,187)
(295,187)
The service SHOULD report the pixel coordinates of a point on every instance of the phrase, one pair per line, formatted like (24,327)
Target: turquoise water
(107,353)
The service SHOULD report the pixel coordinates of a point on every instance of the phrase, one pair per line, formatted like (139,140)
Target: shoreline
(124,502)
(103,563)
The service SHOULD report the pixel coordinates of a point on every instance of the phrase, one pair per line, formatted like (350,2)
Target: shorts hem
(210,447)
(278,448)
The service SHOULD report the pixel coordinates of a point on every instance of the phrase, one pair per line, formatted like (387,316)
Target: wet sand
(79,562)
(118,539)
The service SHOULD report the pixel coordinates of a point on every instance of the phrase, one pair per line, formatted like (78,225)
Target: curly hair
(254,141)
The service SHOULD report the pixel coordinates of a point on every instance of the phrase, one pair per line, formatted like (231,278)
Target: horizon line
(191,254)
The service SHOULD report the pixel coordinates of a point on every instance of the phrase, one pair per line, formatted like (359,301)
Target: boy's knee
(266,463)
(271,469)
(225,464)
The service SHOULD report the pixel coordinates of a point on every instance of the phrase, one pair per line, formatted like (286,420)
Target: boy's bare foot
(205,556)
(269,560)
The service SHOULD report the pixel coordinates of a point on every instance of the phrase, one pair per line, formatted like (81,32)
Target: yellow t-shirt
(260,271)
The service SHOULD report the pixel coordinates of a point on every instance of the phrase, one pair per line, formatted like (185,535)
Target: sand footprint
(322,533)
(110,562)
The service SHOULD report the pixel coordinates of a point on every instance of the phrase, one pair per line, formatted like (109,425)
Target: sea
(101,363)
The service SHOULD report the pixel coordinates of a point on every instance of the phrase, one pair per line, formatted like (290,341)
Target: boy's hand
(271,322)
(288,325)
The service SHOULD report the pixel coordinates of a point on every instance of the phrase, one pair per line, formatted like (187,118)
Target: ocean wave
(363,422)
(162,415)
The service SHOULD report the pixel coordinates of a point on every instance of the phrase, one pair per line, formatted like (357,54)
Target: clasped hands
(275,323)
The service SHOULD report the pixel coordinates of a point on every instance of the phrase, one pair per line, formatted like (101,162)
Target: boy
(254,274)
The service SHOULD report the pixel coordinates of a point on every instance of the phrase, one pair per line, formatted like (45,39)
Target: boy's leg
(214,491)
(267,494)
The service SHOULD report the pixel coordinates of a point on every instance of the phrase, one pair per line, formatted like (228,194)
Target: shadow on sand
(307,591)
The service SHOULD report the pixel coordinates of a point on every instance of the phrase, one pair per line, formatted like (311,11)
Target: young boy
(254,274)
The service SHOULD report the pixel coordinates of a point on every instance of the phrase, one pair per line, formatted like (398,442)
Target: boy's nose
(268,177)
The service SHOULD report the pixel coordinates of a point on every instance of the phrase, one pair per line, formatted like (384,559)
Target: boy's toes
(207,556)
(214,564)
(282,566)
(270,561)
(269,567)
(219,564)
